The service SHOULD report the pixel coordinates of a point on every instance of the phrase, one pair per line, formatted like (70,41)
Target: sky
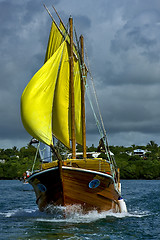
(122,39)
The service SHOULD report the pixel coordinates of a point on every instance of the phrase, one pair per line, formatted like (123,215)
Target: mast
(83,98)
(73,131)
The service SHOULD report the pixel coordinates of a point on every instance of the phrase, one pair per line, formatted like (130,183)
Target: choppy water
(21,219)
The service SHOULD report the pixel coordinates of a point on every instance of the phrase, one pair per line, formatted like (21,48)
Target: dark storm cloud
(123,44)
(133,39)
(17,64)
(141,32)
(129,109)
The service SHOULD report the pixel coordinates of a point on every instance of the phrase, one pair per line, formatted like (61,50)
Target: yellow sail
(55,40)
(37,99)
(61,126)
(60,120)
(64,31)
(77,101)
(45,103)
(77,91)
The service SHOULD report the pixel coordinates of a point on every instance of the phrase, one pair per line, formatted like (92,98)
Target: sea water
(21,219)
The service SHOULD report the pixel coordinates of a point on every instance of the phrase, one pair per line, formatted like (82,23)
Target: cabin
(79,155)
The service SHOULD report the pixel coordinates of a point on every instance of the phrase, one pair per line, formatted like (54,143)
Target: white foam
(19,212)
(71,214)
(74,214)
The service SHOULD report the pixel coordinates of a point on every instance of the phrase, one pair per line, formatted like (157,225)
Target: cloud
(122,41)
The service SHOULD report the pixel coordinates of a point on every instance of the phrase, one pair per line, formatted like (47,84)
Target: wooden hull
(88,188)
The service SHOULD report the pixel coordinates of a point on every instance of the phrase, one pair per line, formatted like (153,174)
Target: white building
(139,152)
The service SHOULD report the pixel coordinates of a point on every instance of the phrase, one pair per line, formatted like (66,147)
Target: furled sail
(45,102)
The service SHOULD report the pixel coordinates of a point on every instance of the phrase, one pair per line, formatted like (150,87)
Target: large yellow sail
(45,102)
(37,99)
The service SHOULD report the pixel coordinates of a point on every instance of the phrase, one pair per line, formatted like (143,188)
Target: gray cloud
(123,44)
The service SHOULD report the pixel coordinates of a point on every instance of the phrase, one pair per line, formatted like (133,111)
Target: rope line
(101,127)
(35,158)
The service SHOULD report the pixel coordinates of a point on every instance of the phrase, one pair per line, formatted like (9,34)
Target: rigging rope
(100,127)
(35,158)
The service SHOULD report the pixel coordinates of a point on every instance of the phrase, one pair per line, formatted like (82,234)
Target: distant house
(129,153)
(2,160)
(139,152)
(14,156)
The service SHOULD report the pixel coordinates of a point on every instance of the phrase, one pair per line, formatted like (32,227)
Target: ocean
(21,219)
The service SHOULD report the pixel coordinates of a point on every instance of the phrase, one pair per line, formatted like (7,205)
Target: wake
(70,214)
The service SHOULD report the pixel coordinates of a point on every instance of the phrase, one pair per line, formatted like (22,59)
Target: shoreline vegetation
(135,162)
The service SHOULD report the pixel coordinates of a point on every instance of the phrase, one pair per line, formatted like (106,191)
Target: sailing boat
(53,105)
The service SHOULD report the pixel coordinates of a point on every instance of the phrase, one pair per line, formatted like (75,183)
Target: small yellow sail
(55,40)
(77,99)
(61,126)
(64,32)
(37,99)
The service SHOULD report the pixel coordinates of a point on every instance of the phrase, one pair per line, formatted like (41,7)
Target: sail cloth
(77,89)
(45,102)
(77,101)
(54,41)
(37,99)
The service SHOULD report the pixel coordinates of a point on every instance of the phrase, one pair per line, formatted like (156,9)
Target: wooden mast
(83,99)
(73,131)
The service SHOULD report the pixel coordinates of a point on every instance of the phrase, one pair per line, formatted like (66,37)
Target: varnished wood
(96,164)
(60,171)
(51,180)
(75,188)
(83,99)
(73,131)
